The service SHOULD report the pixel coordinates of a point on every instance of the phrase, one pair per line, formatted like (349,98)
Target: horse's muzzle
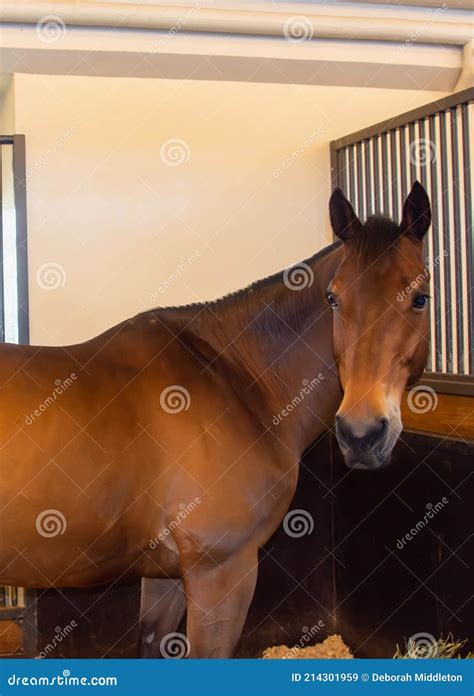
(365,445)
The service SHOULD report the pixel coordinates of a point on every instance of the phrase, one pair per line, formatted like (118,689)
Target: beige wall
(110,221)
(7,105)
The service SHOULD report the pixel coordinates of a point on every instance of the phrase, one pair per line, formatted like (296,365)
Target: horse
(167,448)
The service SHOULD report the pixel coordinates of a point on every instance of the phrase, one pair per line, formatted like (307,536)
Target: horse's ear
(344,221)
(416,216)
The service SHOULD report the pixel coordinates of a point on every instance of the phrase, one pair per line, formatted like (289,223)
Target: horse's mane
(275,277)
(375,237)
(258,284)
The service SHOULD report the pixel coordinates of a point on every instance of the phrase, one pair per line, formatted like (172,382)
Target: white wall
(118,221)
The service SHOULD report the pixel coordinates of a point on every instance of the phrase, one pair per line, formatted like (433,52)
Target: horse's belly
(50,552)
(62,540)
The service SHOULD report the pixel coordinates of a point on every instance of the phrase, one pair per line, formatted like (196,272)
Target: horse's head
(379,296)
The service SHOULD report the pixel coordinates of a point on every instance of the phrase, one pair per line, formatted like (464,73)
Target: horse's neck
(281,341)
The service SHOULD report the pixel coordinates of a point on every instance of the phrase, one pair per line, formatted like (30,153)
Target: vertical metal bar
(425,168)
(421,161)
(378,203)
(389,182)
(333,153)
(395,175)
(363,153)
(385,175)
(2,286)
(462,276)
(456,239)
(423,158)
(413,154)
(418,153)
(369,178)
(468,161)
(425,178)
(451,242)
(339,178)
(347,172)
(360,183)
(438,277)
(404,158)
(19,187)
(443,307)
(353,184)
(445,226)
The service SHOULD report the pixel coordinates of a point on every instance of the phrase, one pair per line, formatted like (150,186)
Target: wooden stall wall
(378,588)
(405,547)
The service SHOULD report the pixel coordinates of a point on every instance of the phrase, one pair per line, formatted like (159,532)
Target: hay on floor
(441,648)
(331,648)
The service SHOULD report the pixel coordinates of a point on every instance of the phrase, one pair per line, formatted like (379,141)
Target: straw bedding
(331,648)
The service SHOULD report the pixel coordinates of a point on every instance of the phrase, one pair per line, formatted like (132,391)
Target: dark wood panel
(373,592)
(91,622)
(390,586)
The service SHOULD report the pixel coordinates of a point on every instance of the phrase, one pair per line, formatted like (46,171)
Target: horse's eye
(331,299)
(420,301)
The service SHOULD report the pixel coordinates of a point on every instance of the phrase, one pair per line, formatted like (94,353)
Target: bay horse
(167,448)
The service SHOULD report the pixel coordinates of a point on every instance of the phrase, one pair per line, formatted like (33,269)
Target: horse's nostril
(343,429)
(360,434)
(378,430)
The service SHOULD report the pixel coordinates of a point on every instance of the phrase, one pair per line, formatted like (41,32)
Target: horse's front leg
(162,607)
(218,599)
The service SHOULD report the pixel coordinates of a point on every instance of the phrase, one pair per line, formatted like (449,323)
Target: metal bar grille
(12,597)
(376,169)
